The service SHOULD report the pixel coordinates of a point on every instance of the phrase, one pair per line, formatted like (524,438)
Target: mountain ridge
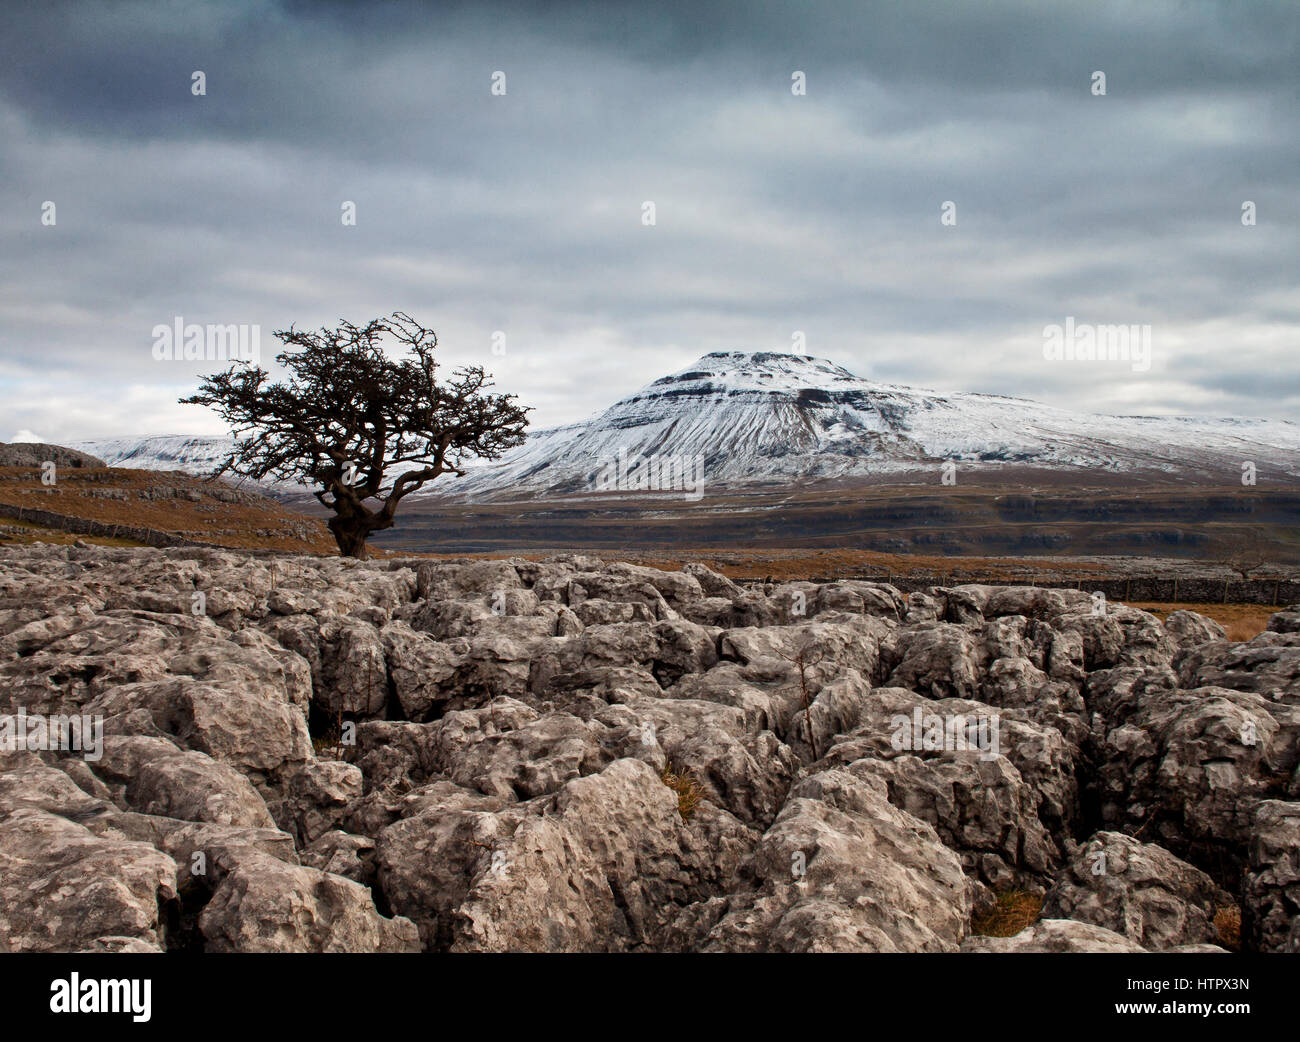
(767,417)
(762,418)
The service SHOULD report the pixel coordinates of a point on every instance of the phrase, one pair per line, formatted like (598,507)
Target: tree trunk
(350,533)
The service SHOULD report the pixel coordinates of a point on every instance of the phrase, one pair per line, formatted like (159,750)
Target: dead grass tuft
(1011,912)
(1227,924)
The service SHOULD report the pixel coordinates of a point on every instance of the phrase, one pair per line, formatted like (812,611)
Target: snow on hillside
(193,455)
(765,418)
(775,418)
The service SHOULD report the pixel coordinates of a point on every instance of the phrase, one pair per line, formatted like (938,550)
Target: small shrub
(688,789)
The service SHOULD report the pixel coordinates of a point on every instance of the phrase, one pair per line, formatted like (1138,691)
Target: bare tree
(803,660)
(1245,552)
(358,425)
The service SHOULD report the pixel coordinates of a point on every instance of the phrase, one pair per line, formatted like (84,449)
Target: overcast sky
(774,213)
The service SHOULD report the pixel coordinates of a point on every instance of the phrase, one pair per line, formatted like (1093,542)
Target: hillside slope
(120,503)
(756,419)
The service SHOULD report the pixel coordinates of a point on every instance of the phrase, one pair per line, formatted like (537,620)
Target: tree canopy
(367,430)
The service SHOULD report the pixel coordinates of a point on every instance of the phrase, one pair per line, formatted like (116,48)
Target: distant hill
(129,507)
(35,454)
(192,454)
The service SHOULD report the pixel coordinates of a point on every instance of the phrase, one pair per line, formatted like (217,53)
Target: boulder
(1139,890)
(266,905)
(840,869)
(1055,935)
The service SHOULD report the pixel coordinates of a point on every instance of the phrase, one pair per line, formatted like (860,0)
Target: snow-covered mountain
(762,418)
(774,419)
(194,455)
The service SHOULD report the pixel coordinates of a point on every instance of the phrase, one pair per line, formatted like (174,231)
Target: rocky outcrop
(69,879)
(1055,935)
(265,905)
(841,869)
(1139,890)
(1272,883)
(312,754)
(1190,629)
(37,454)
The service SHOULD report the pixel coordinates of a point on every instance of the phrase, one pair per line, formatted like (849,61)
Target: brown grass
(1227,924)
(25,533)
(800,564)
(688,789)
(893,522)
(1011,912)
(781,565)
(1241,621)
(257,523)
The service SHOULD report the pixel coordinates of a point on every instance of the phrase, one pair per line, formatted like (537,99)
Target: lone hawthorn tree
(1245,552)
(349,419)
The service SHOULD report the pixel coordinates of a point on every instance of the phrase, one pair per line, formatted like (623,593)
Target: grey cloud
(775,213)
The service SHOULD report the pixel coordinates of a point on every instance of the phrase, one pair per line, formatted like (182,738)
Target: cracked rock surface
(571,755)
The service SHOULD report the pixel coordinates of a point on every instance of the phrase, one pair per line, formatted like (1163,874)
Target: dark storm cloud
(775,213)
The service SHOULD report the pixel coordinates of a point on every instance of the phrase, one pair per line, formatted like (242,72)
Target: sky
(819,222)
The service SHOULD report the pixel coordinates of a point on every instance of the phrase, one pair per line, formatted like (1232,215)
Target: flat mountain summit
(764,418)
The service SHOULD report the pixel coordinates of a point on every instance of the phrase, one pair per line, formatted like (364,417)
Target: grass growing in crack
(688,788)
(329,744)
(1011,912)
(1227,924)
(326,745)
